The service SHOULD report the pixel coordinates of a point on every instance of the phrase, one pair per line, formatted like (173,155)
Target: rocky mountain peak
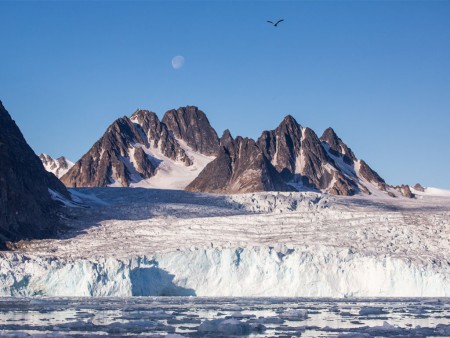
(337,147)
(239,167)
(144,117)
(138,148)
(282,145)
(299,156)
(226,139)
(58,166)
(157,135)
(120,135)
(132,150)
(192,126)
(290,120)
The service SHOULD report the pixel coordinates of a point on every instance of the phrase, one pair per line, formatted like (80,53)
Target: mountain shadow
(153,281)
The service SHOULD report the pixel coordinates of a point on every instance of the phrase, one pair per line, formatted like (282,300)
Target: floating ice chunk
(225,326)
(384,330)
(271,320)
(295,314)
(230,326)
(371,310)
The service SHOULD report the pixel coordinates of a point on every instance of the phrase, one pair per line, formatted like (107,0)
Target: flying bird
(276,23)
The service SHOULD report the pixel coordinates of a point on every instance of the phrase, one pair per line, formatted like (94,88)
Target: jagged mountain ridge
(239,167)
(27,209)
(136,149)
(58,166)
(297,153)
(183,151)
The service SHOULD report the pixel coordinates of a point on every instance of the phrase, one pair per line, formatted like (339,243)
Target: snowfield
(145,242)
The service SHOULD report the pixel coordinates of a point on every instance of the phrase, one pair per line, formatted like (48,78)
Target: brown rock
(240,167)
(110,158)
(192,126)
(371,175)
(404,190)
(337,146)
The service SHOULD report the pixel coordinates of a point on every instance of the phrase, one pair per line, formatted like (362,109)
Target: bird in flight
(276,23)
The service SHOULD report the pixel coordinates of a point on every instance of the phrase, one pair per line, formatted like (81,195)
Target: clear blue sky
(378,72)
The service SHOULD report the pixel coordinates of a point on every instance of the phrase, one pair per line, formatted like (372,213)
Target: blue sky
(378,72)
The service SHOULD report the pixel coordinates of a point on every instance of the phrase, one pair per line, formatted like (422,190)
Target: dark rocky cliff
(26,207)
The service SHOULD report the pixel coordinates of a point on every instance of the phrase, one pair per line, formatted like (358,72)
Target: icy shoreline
(255,272)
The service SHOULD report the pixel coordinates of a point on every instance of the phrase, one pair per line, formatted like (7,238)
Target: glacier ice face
(299,272)
(146,242)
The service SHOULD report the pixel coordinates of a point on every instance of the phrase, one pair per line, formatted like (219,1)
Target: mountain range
(183,151)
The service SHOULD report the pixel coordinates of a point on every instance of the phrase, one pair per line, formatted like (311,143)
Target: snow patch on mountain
(171,174)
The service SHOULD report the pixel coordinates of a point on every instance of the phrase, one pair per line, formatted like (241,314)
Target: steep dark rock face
(192,126)
(240,167)
(371,175)
(419,187)
(118,156)
(337,146)
(282,145)
(26,208)
(343,185)
(314,160)
(216,176)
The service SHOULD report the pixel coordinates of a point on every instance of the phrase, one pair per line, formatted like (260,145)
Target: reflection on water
(223,317)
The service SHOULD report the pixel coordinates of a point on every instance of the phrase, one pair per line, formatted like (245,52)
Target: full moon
(177,62)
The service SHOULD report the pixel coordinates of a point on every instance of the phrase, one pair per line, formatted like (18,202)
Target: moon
(177,62)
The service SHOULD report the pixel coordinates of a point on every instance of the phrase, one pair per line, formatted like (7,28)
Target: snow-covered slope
(430,191)
(58,166)
(172,174)
(160,242)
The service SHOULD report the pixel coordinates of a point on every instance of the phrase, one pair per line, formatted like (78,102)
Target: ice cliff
(258,271)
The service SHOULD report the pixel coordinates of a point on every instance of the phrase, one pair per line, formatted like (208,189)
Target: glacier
(255,272)
(148,242)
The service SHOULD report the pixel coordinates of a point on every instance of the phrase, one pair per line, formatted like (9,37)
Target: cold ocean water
(223,317)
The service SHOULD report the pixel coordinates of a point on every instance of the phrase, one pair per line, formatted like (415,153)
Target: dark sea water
(223,317)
